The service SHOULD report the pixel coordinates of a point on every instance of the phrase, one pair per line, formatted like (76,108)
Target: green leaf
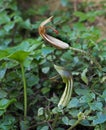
(66,55)
(19,56)
(37,54)
(17,19)
(9,26)
(4,18)
(72,122)
(82,91)
(34,44)
(85,122)
(87,98)
(103,54)
(74,112)
(84,77)
(3,94)
(7,123)
(57,110)
(2,72)
(45,128)
(57,20)
(65,120)
(2,112)
(96,106)
(73,103)
(45,90)
(79,26)
(45,70)
(40,111)
(24,125)
(66,29)
(82,16)
(103,126)
(26,24)
(47,50)
(32,79)
(103,79)
(4,103)
(19,105)
(101,118)
(24,46)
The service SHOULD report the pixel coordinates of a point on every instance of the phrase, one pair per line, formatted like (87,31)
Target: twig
(40,123)
(49,125)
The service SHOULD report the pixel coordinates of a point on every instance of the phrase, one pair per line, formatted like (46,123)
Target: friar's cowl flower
(50,39)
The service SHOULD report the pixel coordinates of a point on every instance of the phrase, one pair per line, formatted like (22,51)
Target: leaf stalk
(25,91)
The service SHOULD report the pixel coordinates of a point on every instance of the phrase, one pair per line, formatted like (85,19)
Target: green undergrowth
(30,87)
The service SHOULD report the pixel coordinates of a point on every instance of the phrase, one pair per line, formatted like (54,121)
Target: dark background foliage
(82,25)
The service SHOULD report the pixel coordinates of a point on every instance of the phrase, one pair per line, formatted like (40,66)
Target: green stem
(84,115)
(78,50)
(76,123)
(25,91)
(55,121)
(87,54)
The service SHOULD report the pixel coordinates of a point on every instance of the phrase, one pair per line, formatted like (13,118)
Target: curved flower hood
(50,39)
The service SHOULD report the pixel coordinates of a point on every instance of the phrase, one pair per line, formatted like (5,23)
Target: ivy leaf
(73,103)
(84,77)
(96,106)
(45,70)
(32,79)
(9,26)
(47,50)
(103,79)
(26,24)
(87,98)
(82,16)
(4,103)
(40,111)
(3,94)
(4,18)
(74,112)
(24,46)
(45,90)
(24,125)
(101,118)
(7,123)
(2,72)
(65,120)
(82,91)
(45,128)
